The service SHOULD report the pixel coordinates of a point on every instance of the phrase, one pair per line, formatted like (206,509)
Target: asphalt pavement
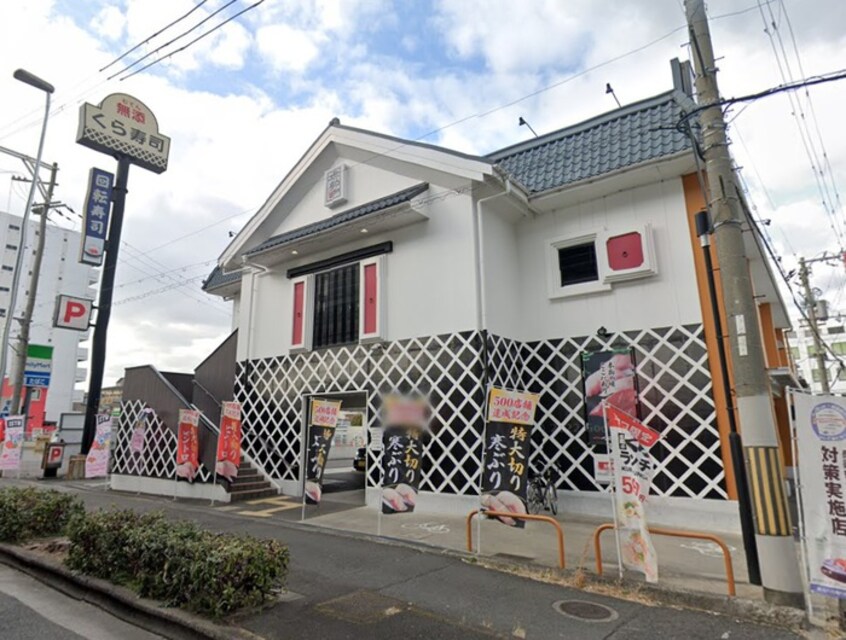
(30,610)
(344,586)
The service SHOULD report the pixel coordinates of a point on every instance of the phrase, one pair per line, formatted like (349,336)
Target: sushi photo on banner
(13,438)
(324,419)
(97,462)
(508,437)
(188,445)
(820,426)
(405,420)
(632,468)
(608,375)
(228,456)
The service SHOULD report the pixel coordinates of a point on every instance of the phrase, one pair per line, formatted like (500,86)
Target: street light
(34,81)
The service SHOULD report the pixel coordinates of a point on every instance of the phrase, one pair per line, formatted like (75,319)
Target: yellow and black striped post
(766,484)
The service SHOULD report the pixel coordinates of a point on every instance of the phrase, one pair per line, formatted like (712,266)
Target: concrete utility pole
(26,322)
(780,574)
(811,306)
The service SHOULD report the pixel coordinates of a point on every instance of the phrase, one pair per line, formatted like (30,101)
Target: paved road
(30,610)
(348,587)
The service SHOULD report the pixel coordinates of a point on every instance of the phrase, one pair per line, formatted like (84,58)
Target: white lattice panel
(158,459)
(673,376)
(447,369)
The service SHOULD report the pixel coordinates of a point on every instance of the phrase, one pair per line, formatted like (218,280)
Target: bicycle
(542,494)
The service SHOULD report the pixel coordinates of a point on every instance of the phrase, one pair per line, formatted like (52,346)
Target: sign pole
(214,478)
(614,472)
(104,307)
(803,541)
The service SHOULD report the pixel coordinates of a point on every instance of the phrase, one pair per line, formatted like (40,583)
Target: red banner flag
(229,442)
(188,445)
(621,420)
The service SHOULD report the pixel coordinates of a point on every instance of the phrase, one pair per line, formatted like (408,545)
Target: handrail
(676,533)
(206,391)
(518,516)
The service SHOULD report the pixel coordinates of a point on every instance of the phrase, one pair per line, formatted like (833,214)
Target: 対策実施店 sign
(125,126)
(820,423)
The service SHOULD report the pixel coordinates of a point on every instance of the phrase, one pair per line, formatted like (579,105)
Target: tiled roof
(340,218)
(637,133)
(217,278)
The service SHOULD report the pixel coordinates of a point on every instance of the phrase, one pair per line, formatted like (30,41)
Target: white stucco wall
(668,298)
(428,280)
(365,183)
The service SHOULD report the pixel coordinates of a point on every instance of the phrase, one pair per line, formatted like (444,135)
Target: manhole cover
(585,611)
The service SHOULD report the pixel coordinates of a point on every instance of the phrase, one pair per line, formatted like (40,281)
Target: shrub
(33,513)
(100,543)
(176,562)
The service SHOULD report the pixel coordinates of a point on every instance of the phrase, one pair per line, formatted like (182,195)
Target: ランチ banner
(229,442)
(97,462)
(820,425)
(10,454)
(402,449)
(188,445)
(632,468)
(508,438)
(324,419)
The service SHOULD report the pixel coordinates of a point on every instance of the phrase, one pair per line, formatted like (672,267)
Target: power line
(170,42)
(798,113)
(197,39)
(157,33)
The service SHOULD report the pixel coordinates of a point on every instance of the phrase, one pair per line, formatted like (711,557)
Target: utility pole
(780,574)
(811,306)
(26,322)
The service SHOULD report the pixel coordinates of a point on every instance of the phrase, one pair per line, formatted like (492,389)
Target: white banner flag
(632,469)
(10,454)
(820,425)
(97,462)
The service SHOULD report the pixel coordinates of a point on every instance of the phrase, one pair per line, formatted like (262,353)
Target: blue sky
(244,104)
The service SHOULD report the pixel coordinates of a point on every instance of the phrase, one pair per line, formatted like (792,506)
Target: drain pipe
(249,347)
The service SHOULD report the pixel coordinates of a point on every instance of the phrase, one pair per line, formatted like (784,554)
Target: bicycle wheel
(552,499)
(534,498)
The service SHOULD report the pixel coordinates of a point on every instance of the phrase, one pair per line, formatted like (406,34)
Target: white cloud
(288,49)
(229,151)
(110,22)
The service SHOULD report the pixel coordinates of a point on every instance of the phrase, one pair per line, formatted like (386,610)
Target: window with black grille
(577,264)
(336,307)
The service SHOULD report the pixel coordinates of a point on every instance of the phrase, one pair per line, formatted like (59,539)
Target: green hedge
(176,562)
(33,513)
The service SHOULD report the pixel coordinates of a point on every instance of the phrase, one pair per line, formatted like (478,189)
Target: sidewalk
(345,584)
(691,565)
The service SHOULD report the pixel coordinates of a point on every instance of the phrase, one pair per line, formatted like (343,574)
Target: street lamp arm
(33,80)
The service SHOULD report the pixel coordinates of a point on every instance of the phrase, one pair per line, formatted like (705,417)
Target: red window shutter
(371,302)
(625,251)
(299,310)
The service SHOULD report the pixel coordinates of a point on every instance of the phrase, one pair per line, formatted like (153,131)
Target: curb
(736,607)
(172,623)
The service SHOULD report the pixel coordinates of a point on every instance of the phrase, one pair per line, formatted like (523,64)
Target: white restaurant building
(380,265)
